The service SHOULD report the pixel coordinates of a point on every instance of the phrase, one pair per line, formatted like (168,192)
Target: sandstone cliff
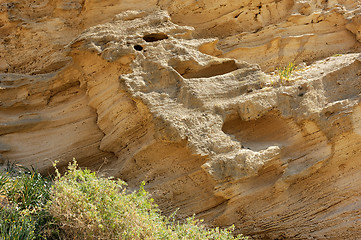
(182,95)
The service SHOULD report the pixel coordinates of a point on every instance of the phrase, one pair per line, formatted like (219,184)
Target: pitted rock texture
(147,96)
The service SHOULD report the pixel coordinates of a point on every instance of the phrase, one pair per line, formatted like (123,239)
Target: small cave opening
(268,130)
(138,47)
(191,69)
(153,37)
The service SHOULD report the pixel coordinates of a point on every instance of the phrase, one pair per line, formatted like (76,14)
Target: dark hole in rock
(153,37)
(268,130)
(189,71)
(138,47)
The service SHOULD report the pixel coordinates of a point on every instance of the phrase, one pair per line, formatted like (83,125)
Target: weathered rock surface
(142,95)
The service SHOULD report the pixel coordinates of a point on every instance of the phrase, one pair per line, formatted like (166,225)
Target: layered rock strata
(144,99)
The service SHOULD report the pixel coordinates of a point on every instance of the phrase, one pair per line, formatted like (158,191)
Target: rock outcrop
(188,103)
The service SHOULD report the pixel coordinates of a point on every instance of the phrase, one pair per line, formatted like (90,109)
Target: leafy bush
(286,72)
(16,225)
(89,207)
(81,205)
(24,194)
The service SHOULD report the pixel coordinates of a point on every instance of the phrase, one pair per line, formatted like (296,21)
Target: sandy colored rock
(181,94)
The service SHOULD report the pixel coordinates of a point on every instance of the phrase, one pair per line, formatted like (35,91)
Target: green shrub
(24,194)
(28,190)
(16,225)
(193,229)
(286,72)
(89,207)
(81,205)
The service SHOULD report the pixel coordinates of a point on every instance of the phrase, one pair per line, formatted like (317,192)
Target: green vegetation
(286,72)
(337,55)
(81,205)
(23,197)
(283,76)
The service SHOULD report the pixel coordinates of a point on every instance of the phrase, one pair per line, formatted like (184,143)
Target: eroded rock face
(149,96)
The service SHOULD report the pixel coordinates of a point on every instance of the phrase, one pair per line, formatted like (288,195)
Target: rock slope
(188,103)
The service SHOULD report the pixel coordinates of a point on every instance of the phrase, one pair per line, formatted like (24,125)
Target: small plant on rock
(286,72)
